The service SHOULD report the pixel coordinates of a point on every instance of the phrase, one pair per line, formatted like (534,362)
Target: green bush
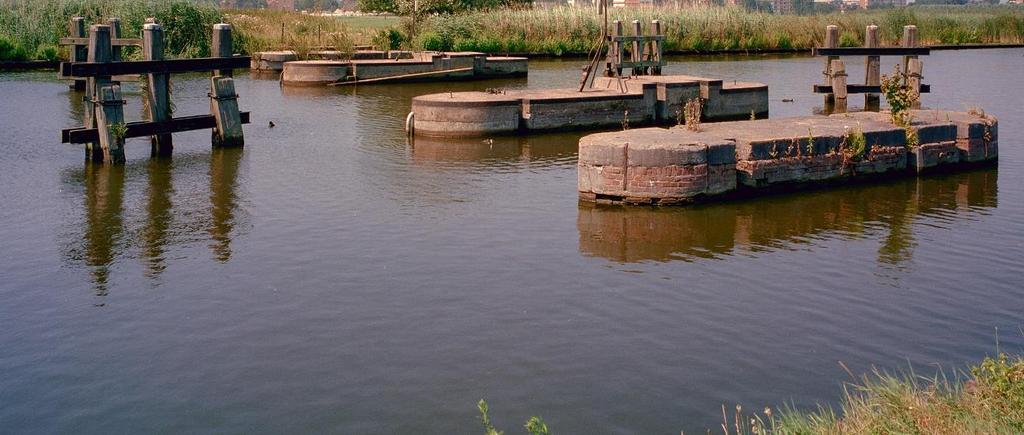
(10,50)
(48,52)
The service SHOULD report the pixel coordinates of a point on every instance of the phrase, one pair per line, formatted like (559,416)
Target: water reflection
(104,222)
(548,147)
(173,208)
(633,234)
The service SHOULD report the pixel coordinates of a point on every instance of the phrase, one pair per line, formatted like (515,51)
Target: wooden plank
(225,111)
(863,51)
(109,119)
(642,38)
(117,42)
(862,89)
(148,128)
(90,69)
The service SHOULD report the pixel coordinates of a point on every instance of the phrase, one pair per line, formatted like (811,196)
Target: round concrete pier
(465,114)
(654,166)
(272,60)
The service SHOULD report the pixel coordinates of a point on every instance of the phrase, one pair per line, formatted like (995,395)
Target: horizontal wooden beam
(147,128)
(117,42)
(86,69)
(863,51)
(862,89)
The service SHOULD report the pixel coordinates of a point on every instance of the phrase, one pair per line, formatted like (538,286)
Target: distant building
(288,5)
(783,6)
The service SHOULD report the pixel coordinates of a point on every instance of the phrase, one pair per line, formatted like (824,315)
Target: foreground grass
(561,31)
(988,399)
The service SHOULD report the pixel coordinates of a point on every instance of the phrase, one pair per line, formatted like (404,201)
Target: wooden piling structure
(159,96)
(78,52)
(872,74)
(105,130)
(831,41)
(616,47)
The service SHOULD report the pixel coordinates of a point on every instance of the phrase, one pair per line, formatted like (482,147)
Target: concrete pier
(677,165)
(418,67)
(637,101)
(272,60)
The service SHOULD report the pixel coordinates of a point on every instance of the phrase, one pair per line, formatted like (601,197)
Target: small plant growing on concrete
(901,99)
(810,142)
(625,120)
(854,144)
(753,116)
(692,111)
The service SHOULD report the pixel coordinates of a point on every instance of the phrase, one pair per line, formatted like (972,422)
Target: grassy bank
(987,399)
(562,31)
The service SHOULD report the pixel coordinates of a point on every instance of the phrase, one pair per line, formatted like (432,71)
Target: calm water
(331,277)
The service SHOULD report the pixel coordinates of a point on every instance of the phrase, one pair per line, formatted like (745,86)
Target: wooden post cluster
(835,72)
(105,130)
(645,51)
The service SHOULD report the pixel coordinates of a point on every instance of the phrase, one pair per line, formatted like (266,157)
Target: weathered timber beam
(638,38)
(117,42)
(147,128)
(865,51)
(862,89)
(85,69)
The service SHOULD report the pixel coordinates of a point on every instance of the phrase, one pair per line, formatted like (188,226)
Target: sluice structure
(402,67)
(679,165)
(635,101)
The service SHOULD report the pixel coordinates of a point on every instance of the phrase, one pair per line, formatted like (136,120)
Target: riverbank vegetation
(698,29)
(30,29)
(988,398)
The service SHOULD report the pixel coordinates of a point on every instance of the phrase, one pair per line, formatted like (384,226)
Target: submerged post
(838,82)
(110,123)
(79,53)
(99,52)
(158,97)
(831,41)
(872,75)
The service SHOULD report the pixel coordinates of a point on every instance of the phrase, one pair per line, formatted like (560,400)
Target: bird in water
(271,124)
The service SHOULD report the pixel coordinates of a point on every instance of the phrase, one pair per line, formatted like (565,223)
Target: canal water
(332,278)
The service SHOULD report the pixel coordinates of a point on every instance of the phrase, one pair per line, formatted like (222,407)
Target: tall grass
(987,400)
(560,31)
(35,26)
(265,29)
